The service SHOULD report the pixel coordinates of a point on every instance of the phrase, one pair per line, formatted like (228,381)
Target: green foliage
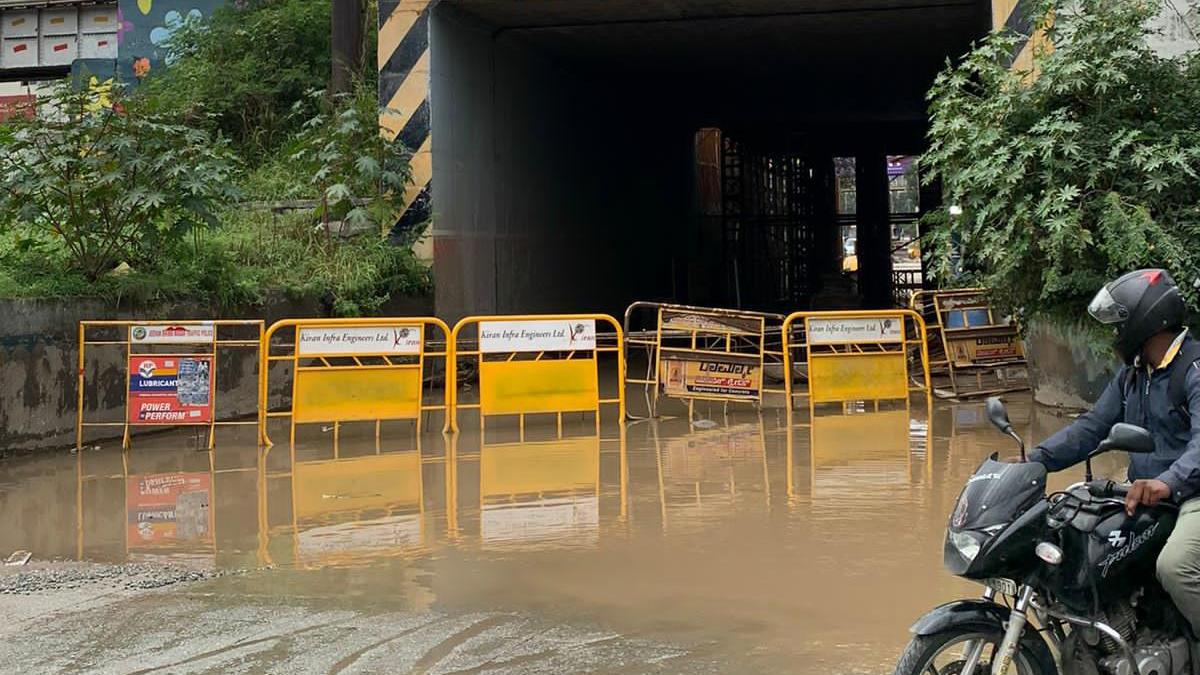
(352,276)
(1073,173)
(359,175)
(107,186)
(241,71)
(250,257)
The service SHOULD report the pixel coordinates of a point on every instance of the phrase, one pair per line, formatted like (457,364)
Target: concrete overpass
(561,136)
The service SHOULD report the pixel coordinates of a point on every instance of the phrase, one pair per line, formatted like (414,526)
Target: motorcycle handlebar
(1105,489)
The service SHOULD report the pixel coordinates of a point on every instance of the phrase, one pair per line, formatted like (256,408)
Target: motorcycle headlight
(967,543)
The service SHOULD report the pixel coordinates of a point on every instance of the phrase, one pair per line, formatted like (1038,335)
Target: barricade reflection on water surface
(553,489)
(176,507)
(709,469)
(840,453)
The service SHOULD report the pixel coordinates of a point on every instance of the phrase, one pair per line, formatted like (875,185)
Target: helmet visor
(1105,309)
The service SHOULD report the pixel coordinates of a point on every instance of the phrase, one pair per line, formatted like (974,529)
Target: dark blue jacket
(1140,400)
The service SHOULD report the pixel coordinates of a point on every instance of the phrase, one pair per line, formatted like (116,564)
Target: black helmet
(1139,305)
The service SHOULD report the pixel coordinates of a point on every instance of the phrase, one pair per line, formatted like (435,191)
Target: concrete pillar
(874,235)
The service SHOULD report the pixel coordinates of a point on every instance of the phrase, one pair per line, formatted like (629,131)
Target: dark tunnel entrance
(755,154)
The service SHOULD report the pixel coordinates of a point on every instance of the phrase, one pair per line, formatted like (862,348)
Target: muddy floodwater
(739,543)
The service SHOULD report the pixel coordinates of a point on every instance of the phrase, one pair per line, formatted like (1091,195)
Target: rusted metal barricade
(973,351)
(704,354)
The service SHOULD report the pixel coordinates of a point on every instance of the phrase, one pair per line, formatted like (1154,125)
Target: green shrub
(241,71)
(106,182)
(358,175)
(1071,174)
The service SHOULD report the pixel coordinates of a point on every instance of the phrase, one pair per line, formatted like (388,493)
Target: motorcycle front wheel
(947,653)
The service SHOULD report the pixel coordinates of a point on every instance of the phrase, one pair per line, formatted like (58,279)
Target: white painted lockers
(56,36)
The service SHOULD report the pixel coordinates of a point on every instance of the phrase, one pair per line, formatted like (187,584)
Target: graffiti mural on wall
(144,28)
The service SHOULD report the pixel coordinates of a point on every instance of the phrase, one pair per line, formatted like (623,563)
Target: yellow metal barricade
(170,371)
(356,370)
(536,364)
(973,351)
(855,355)
(704,354)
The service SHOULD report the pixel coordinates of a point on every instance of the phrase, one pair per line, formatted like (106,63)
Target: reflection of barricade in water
(355,370)
(703,354)
(346,509)
(858,451)
(537,365)
(165,513)
(540,493)
(855,355)
(972,351)
(170,371)
(710,470)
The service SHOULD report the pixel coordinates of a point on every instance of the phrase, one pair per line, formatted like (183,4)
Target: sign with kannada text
(709,378)
(359,340)
(537,335)
(974,350)
(175,334)
(875,329)
(170,389)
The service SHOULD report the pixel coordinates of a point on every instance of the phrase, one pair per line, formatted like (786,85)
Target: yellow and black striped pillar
(404,94)
(1014,16)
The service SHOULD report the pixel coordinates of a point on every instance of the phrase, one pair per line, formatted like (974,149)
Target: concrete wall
(550,194)
(39,359)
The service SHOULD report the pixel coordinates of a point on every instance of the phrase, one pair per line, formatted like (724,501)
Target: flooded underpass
(735,543)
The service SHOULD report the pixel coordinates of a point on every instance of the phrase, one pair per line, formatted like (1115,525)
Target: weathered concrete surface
(1064,370)
(39,360)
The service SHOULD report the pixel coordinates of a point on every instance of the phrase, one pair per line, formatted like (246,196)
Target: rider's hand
(1148,492)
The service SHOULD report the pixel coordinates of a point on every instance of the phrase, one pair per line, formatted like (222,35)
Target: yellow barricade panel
(359,394)
(857,376)
(514,387)
(529,468)
(339,486)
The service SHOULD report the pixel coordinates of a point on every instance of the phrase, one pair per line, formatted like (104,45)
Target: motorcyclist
(1147,313)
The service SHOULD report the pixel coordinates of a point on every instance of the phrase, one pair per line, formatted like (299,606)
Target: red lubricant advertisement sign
(171,389)
(168,507)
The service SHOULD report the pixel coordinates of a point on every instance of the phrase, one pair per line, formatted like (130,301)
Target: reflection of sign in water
(170,389)
(349,340)
(379,536)
(707,454)
(862,329)
(168,507)
(709,378)
(560,521)
(179,334)
(540,492)
(542,335)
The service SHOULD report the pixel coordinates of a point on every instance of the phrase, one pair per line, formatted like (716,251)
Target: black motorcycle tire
(922,648)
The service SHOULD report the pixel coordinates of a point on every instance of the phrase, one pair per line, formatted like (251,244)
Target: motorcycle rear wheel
(945,653)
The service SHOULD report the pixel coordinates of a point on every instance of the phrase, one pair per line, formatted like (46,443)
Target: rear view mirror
(1128,437)
(998,414)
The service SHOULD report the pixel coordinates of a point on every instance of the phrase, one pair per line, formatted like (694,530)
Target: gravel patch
(48,577)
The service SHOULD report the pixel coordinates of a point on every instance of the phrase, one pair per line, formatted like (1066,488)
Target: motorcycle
(1069,570)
